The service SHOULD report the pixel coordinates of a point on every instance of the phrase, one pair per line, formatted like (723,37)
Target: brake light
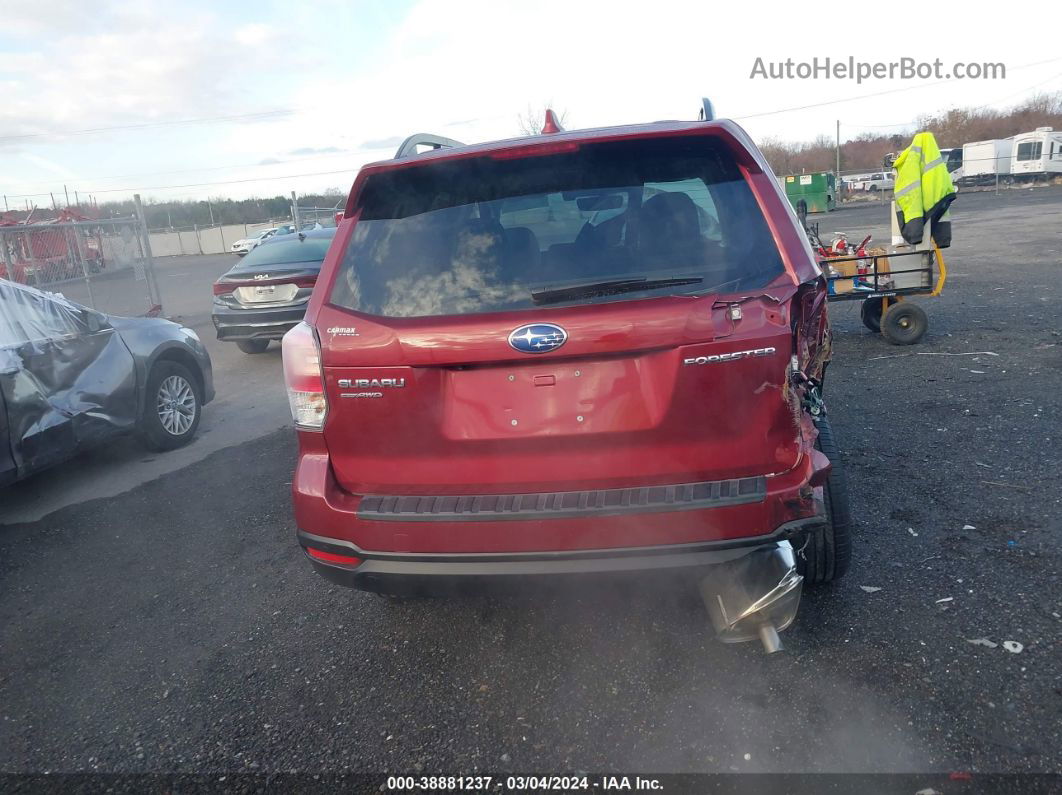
(304,378)
(223,289)
(535,150)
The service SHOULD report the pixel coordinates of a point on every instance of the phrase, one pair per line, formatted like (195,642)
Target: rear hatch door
(486,331)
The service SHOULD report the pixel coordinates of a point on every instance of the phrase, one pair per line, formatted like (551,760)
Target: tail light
(304,378)
(223,288)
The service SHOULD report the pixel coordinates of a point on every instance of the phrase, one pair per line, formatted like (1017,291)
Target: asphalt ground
(175,626)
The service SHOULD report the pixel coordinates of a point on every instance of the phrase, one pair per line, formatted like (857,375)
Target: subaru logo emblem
(538,338)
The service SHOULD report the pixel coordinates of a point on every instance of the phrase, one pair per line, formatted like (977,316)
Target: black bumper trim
(562,504)
(340,547)
(437,573)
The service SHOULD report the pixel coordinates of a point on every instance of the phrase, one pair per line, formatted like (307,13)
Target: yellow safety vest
(923,191)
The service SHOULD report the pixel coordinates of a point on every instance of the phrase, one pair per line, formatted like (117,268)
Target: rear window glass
(488,235)
(285,252)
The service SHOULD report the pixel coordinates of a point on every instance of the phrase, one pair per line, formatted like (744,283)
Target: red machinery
(44,251)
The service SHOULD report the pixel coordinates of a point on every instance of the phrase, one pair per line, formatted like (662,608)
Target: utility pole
(295,211)
(77,200)
(67,193)
(210,208)
(54,205)
(837,170)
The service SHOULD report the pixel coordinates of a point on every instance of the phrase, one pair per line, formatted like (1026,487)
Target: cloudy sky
(198,99)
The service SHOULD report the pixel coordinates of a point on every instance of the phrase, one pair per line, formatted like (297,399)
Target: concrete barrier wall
(208,240)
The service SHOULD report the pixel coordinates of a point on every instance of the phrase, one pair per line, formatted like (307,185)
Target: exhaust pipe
(755,595)
(769,638)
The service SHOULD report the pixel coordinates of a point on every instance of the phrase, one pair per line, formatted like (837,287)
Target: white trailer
(1037,154)
(984,161)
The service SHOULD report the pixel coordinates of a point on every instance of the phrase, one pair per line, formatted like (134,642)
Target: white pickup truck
(881,180)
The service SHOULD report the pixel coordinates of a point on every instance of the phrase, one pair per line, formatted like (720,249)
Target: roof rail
(409,146)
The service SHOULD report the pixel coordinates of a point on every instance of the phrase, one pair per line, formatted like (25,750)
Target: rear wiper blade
(614,287)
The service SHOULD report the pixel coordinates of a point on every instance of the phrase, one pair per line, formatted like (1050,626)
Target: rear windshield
(295,252)
(486,235)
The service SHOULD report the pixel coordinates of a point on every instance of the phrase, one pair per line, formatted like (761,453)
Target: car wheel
(904,323)
(870,313)
(172,407)
(824,552)
(252,346)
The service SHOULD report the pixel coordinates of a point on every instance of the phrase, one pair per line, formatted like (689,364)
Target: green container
(815,189)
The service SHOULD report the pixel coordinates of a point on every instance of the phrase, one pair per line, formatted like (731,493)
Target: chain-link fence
(313,216)
(102,263)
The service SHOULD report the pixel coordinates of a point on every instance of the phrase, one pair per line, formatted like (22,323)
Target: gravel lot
(176,627)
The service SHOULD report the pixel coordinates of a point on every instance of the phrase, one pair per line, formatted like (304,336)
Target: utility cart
(882,279)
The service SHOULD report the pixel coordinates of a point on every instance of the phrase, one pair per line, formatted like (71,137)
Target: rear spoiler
(409,146)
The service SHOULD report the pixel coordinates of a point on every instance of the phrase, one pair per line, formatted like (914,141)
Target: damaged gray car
(72,378)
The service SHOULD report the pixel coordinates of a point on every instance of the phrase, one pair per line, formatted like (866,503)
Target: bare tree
(531,122)
(952,127)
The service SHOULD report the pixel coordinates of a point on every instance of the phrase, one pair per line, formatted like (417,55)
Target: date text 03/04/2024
(519,783)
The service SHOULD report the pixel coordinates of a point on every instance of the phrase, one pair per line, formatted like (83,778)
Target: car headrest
(669,220)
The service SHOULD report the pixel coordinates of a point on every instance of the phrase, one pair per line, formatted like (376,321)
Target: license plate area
(266,293)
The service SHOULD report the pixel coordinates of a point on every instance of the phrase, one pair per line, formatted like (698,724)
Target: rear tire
(252,346)
(173,405)
(870,313)
(904,323)
(825,552)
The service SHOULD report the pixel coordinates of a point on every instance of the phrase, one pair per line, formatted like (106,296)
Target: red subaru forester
(573,354)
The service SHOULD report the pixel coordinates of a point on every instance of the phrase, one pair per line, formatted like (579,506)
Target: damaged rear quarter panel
(65,394)
(71,378)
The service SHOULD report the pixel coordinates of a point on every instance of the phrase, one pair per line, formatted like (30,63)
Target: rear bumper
(433,573)
(363,545)
(249,324)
